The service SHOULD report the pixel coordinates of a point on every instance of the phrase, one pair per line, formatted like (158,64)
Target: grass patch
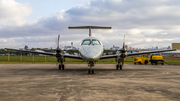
(172,60)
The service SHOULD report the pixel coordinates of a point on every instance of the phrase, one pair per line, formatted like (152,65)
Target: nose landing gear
(91,71)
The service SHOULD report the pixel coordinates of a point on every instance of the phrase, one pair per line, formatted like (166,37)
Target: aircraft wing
(46,53)
(29,51)
(138,53)
(108,56)
(148,52)
(72,56)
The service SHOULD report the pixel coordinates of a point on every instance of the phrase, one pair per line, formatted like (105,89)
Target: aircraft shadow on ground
(86,69)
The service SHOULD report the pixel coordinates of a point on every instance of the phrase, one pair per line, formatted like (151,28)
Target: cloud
(145,23)
(13,13)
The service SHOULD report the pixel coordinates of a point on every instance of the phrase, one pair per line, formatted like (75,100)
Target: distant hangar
(173,53)
(176,46)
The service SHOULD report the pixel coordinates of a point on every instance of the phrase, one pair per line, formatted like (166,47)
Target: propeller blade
(124,43)
(123,48)
(58,41)
(58,50)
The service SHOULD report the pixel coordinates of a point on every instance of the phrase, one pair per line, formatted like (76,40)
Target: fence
(33,58)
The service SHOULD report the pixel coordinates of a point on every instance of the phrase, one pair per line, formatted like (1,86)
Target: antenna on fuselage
(89,27)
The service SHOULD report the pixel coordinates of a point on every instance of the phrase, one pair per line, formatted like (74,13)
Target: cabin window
(86,42)
(95,42)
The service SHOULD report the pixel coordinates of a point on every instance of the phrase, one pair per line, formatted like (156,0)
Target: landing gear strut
(61,66)
(91,71)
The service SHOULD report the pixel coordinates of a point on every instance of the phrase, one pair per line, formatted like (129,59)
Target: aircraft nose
(92,53)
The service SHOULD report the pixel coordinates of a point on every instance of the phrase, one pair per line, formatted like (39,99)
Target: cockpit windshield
(86,42)
(89,41)
(95,42)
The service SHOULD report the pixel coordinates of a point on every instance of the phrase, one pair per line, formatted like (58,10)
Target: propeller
(58,50)
(123,51)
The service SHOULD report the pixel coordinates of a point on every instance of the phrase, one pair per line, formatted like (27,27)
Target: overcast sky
(37,23)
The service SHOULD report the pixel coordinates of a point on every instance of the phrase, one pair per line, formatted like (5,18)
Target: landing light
(58,55)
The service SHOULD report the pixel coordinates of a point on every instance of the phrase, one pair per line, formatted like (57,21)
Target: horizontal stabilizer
(91,27)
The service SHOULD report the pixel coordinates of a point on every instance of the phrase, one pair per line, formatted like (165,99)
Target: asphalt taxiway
(44,82)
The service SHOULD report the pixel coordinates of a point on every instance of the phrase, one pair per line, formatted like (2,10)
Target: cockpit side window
(95,42)
(86,42)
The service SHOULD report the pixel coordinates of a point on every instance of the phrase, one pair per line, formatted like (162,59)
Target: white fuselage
(91,51)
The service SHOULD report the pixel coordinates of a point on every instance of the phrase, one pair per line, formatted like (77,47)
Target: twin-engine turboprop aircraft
(91,50)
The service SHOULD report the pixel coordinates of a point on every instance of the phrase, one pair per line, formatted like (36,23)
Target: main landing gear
(61,66)
(91,71)
(119,67)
